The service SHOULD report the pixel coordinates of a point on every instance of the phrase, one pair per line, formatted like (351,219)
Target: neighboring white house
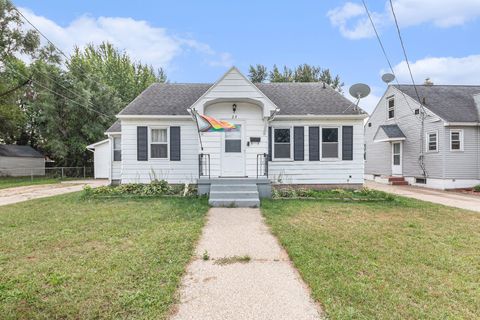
(287,133)
(17,160)
(441,151)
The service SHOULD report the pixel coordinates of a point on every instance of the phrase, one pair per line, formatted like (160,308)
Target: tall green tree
(301,73)
(115,69)
(258,73)
(14,39)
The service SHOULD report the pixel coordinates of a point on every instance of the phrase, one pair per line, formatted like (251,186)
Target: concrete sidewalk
(267,287)
(447,198)
(20,194)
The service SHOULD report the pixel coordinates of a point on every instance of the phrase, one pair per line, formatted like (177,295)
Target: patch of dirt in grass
(232,260)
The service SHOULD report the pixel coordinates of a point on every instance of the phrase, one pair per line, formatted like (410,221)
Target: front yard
(401,259)
(11,182)
(67,258)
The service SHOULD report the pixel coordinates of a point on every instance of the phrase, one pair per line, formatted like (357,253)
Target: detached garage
(101,158)
(17,161)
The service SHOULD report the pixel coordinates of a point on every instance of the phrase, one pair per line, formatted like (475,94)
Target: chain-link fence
(61,173)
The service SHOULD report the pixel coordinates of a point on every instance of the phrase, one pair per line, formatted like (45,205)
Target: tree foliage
(61,108)
(301,73)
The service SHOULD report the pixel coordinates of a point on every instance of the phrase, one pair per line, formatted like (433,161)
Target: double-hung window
(117,149)
(391,108)
(159,143)
(282,143)
(432,141)
(456,140)
(330,145)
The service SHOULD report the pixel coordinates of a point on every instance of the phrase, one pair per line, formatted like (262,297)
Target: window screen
(396,154)
(233,140)
(117,149)
(391,108)
(282,143)
(432,142)
(159,144)
(455,140)
(329,142)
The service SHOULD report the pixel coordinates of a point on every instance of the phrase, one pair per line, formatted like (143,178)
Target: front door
(397,159)
(233,152)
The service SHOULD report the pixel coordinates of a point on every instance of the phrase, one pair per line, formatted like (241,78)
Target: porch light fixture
(234,108)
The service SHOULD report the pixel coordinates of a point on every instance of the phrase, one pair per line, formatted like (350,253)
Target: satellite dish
(359,90)
(388,77)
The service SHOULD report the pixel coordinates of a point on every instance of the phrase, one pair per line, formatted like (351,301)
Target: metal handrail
(204,166)
(262,162)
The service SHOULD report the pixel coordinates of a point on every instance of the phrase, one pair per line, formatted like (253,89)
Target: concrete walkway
(447,198)
(19,194)
(267,287)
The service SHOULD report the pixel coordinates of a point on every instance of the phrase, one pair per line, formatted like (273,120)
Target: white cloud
(341,17)
(142,41)
(352,20)
(441,70)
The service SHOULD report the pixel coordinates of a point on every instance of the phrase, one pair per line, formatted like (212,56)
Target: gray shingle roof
(13,150)
(116,127)
(453,103)
(291,98)
(392,131)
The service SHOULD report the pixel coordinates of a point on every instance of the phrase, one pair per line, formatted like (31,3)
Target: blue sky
(196,41)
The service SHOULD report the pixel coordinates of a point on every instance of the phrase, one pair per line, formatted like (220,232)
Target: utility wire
(54,92)
(386,56)
(405,52)
(16,88)
(67,58)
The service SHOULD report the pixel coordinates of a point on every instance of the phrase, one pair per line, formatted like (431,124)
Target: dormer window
(391,108)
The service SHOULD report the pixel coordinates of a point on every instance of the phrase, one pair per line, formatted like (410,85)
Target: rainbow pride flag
(210,124)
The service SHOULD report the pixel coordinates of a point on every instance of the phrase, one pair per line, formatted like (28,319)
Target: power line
(54,92)
(67,58)
(404,52)
(386,56)
(16,88)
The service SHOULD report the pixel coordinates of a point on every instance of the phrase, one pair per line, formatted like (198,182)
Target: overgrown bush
(155,188)
(476,188)
(332,194)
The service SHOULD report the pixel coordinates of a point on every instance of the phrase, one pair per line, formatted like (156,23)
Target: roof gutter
(321,116)
(148,116)
(459,124)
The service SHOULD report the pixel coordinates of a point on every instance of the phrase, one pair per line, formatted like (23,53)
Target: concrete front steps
(233,193)
(397,181)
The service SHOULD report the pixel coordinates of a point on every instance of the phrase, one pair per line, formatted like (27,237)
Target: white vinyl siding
(325,171)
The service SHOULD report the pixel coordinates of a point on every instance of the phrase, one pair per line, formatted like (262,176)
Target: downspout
(421,158)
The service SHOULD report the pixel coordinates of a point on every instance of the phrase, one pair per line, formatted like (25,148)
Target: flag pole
(198,128)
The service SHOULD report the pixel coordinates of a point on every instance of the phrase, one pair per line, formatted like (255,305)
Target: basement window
(421,180)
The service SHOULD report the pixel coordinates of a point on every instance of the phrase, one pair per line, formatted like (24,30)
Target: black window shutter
(175,144)
(269,143)
(314,143)
(298,144)
(142,143)
(347,143)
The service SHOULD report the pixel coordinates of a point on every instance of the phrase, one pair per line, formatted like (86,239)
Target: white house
(286,133)
(427,139)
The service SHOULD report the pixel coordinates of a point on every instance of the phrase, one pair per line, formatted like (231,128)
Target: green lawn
(404,259)
(67,258)
(10,182)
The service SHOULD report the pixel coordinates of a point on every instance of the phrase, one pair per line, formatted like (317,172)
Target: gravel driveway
(19,194)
